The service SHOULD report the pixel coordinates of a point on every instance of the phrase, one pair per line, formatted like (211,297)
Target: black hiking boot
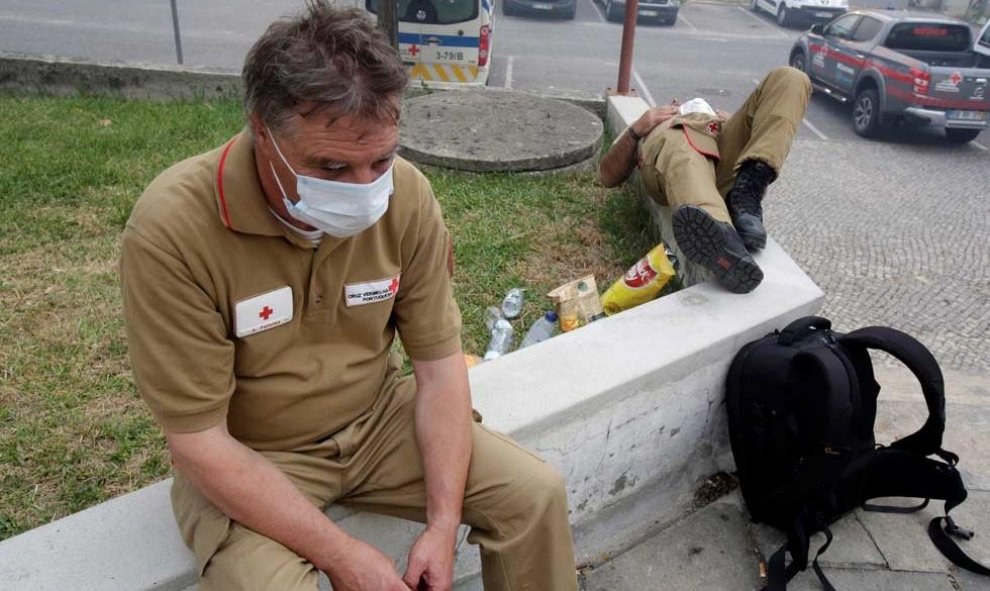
(745,202)
(715,246)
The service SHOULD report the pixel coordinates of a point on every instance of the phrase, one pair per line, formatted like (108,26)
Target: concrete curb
(49,75)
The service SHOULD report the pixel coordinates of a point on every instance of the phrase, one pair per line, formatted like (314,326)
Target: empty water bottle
(542,329)
(512,304)
(492,315)
(501,340)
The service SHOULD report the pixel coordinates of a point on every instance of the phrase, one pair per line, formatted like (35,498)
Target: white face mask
(338,209)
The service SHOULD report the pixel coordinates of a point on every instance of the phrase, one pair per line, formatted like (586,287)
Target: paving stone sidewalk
(717,548)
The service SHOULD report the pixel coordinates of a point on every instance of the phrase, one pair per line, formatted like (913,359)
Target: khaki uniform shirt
(701,132)
(233,317)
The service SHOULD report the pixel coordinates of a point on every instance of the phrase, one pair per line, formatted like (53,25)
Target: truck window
(843,27)
(867,29)
(434,12)
(929,37)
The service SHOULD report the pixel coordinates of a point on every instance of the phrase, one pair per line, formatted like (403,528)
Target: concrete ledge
(629,409)
(24,74)
(52,75)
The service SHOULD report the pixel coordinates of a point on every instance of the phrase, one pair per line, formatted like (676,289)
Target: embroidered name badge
(359,294)
(263,312)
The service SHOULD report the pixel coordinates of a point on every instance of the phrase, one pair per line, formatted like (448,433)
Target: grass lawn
(72,430)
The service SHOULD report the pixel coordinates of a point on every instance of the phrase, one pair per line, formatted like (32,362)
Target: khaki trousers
(685,163)
(515,503)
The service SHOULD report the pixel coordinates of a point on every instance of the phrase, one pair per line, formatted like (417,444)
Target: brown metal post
(626,57)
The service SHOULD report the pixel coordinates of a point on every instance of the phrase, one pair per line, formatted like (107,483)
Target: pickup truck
(900,66)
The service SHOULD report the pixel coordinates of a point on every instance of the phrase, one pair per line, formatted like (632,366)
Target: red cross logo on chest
(713,128)
(266,313)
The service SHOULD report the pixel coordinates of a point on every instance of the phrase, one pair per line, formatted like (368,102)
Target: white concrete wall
(629,409)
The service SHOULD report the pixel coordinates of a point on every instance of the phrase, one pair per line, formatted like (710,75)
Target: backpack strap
(928,439)
(948,547)
(820,368)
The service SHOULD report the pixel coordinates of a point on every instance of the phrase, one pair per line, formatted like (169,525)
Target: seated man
(264,283)
(713,170)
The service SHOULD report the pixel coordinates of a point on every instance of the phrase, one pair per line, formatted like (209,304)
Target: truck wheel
(783,17)
(571,14)
(797,61)
(754,6)
(962,136)
(866,113)
(508,9)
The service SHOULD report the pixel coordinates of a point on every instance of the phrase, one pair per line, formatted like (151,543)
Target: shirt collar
(241,202)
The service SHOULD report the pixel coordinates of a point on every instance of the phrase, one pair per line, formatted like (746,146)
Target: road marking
(761,21)
(601,16)
(980,146)
(687,22)
(644,89)
(815,130)
(508,72)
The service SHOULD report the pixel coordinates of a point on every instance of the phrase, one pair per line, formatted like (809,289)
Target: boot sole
(702,242)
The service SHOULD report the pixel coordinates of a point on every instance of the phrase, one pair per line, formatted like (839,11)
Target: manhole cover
(488,131)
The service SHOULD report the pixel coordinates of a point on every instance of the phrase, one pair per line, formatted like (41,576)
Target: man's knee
(248,561)
(543,491)
(789,76)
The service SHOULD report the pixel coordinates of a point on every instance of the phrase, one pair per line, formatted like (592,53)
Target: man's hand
(363,567)
(653,117)
(431,561)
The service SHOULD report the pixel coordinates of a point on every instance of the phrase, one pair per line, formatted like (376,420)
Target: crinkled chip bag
(577,303)
(642,282)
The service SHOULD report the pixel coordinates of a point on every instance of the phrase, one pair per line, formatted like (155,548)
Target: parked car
(566,9)
(789,12)
(661,11)
(900,66)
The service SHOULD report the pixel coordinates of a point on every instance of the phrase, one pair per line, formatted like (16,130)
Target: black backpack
(802,404)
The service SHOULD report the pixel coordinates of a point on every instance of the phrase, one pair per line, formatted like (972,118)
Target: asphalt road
(895,231)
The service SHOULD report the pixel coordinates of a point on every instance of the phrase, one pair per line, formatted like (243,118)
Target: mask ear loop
(280,155)
(279,182)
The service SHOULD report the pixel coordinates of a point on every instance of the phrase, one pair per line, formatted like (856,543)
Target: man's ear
(259,129)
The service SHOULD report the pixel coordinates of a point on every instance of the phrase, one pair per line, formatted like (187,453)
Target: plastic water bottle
(501,340)
(492,315)
(542,329)
(512,304)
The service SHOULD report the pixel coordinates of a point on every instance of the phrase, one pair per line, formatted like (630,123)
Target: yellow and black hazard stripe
(443,73)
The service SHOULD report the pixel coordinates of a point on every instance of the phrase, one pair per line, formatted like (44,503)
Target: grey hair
(327,59)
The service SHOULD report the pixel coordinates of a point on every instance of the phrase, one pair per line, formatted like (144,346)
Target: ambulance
(445,43)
